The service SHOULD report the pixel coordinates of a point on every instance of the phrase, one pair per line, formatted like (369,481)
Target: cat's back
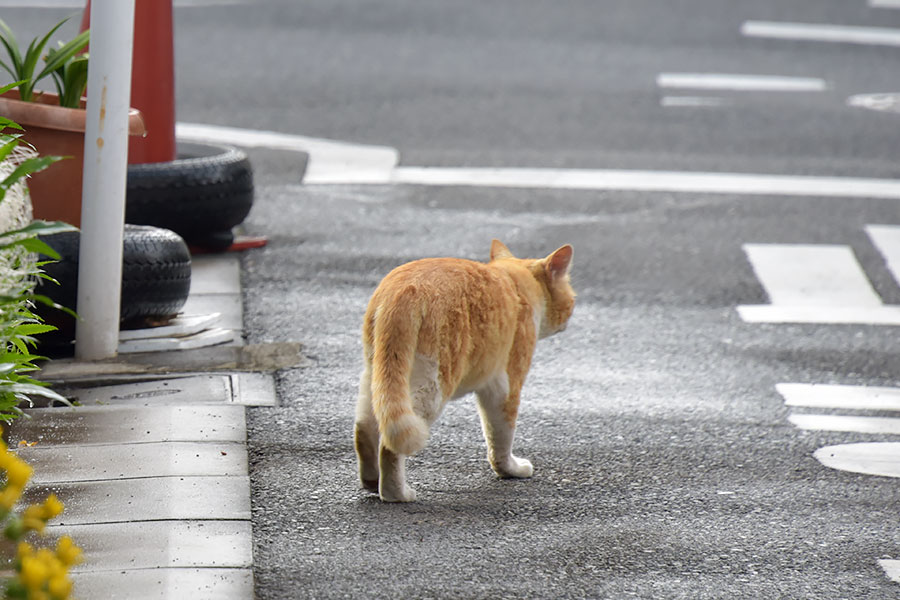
(442,278)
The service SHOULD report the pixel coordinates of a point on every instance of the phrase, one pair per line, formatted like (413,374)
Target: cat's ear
(559,262)
(499,250)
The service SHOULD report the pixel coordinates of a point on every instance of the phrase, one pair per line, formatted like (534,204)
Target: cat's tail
(396,333)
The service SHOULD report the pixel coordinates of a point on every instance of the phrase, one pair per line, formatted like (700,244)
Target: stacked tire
(195,200)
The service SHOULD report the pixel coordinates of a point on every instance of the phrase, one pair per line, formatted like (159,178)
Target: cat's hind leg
(365,434)
(392,486)
(499,409)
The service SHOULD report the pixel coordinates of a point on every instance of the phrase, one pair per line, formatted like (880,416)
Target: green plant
(18,275)
(58,62)
(70,77)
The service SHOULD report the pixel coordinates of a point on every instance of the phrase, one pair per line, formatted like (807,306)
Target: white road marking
(814,284)
(336,162)
(329,161)
(847,423)
(651,181)
(879,36)
(811,275)
(887,239)
(884,101)
(891,567)
(873,458)
(839,396)
(735,82)
(691,101)
(821,315)
(884,3)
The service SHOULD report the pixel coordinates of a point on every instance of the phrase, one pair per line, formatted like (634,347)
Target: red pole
(152,80)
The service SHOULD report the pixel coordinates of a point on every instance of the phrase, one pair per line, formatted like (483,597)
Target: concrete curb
(152,463)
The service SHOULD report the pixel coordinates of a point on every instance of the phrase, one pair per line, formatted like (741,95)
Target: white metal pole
(105,171)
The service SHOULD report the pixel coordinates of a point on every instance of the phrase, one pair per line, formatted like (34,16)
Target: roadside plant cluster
(38,573)
(35,573)
(66,64)
(19,272)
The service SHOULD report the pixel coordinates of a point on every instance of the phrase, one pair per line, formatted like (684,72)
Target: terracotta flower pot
(54,130)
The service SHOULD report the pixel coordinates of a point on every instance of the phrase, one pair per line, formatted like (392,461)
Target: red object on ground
(241,243)
(152,79)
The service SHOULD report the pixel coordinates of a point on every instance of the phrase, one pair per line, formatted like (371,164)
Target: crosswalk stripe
(811,275)
(736,82)
(847,423)
(839,396)
(826,315)
(891,567)
(887,239)
(872,458)
(879,36)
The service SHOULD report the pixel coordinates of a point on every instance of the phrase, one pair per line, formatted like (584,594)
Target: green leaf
(74,82)
(8,147)
(34,244)
(10,86)
(46,301)
(34,328)
(31,389)
(35,49)
(12,46)
(27,167)
(59,57)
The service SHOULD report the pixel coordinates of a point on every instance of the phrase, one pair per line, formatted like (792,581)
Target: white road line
(820,315)
(734,82)
(691,101)
(847,423)
(839,396)
(884,3)
(811,275)
(336,162)
(329,161)
(874,458)
(879,36)
(814,284)
(651,181)
(887,239)
(891,567)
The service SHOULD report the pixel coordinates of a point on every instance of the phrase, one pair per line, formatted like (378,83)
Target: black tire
(156,277)
(201,195)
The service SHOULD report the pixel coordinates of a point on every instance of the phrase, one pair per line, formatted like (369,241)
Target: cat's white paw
(404,494)
(519,468)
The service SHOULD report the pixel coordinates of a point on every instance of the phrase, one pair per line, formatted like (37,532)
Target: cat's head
(552,273)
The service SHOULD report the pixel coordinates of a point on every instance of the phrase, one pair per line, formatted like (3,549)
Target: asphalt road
(666,465)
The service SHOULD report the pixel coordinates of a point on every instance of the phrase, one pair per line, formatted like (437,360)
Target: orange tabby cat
(436,329)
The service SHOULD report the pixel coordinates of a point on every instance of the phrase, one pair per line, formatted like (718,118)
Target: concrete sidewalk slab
(54,464)
(215,274)
(150,499)
(123,424)
(152,463)
(160,544)
(249,389)
(162,584)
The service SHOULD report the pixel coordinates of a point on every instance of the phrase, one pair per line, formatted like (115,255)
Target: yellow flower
(52,507)
(9,496)
(60,587)
(24,549)
(34,573)
(18,472)
(68,552)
